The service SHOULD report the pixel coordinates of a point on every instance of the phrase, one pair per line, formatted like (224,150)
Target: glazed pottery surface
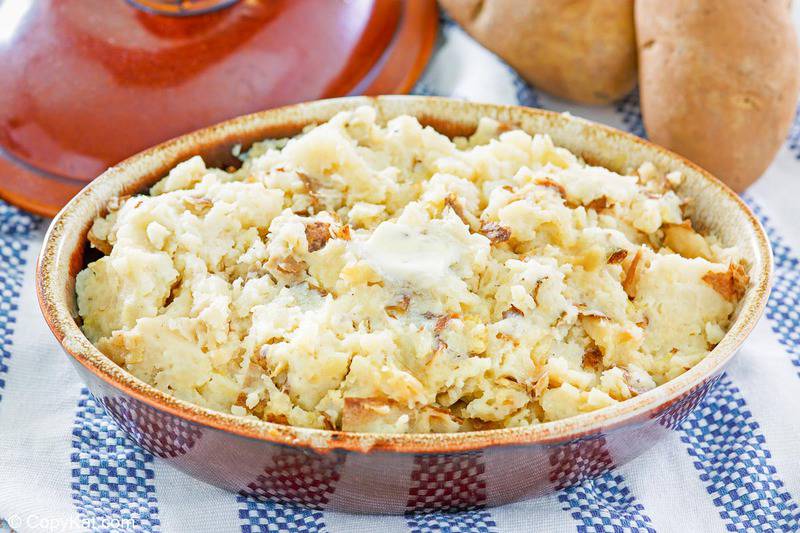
(87,83)
(385,473)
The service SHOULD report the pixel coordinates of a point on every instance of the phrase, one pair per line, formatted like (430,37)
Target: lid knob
(181,8)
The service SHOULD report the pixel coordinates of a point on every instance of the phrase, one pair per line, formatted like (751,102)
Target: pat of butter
(415,257)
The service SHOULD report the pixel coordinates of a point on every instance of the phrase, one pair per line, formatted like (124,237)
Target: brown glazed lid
(87,83)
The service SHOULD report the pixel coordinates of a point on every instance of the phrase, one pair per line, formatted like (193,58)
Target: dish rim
(53,265)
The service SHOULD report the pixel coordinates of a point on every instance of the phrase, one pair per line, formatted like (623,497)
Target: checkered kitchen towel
(733,465)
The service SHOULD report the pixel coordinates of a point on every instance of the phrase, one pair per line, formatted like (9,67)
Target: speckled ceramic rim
(56,289)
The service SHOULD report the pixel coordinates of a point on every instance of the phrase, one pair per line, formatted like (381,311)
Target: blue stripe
(161,434)
(732,460)
(112,478)
(593,493)
(783,306)
(15,230)
(256,515)
(270,502)
(605,504)
(678,411)
(448,494)
(785,257)
(457,522)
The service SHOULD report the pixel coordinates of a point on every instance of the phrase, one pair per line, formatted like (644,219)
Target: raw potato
(581,50)
(719,81)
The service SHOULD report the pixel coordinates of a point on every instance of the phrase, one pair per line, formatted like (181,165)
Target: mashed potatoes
(381,277)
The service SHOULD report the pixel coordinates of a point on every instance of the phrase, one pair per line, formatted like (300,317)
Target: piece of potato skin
(719,81)
(580,50)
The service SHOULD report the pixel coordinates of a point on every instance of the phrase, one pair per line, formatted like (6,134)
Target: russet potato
(718,81)
(580,50)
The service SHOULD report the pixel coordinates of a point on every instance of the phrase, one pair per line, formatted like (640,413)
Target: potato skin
(580,50)
(719,81)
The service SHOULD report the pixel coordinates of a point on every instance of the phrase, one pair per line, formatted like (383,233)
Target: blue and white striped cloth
(734,465)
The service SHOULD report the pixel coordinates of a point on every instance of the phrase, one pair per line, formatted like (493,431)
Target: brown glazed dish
(383,473)
(163,76)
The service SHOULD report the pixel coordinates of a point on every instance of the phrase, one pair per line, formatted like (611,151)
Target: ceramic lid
(87,83)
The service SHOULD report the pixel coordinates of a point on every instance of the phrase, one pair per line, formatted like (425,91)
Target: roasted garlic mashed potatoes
(380,277)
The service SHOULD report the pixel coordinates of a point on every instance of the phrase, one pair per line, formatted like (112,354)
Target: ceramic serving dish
(165,77)
(382,473)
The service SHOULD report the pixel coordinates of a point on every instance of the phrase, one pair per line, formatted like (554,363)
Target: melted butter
(415,257)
